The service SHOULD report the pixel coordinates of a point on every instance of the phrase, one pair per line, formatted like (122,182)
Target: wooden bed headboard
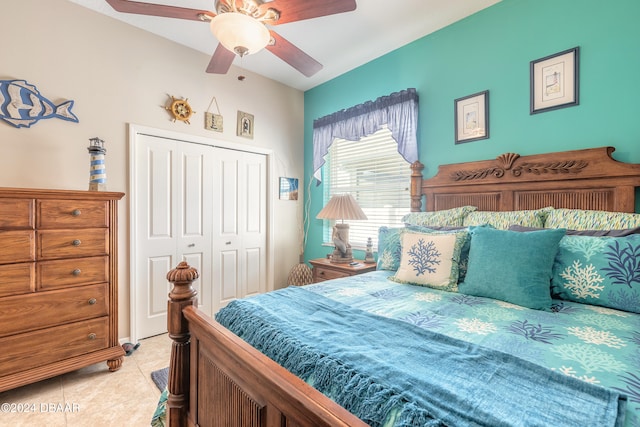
(580,179)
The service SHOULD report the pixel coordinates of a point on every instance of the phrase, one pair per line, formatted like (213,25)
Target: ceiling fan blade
(293,56)
(221,60)
(298,10)
(152,9)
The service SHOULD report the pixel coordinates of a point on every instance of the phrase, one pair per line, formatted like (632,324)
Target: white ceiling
(340,42)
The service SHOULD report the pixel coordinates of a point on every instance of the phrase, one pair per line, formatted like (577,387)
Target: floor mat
(160,378)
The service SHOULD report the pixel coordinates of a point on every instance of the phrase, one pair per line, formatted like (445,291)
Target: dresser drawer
(71,272)
(16,279)
(72,243)
(44,309)
(72,214)
(17,246)
(16,213)
(25,351)
(324,269)
(321,274)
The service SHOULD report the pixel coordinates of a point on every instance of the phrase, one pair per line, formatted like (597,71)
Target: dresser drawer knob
(92,336)
(76,212)
(76,242)
(76,272)
(92,301)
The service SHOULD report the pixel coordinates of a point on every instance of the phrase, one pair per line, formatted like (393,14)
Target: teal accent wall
(491,50)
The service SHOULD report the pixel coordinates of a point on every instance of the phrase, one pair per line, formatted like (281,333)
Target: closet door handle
(191,245)
(228,243)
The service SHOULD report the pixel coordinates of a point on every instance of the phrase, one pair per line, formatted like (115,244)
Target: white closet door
(173,187)
(240,225)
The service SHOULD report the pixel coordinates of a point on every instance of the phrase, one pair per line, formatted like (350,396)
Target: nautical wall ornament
(21,105)
(245,125)
(213,121)
(180,109)
(97,170)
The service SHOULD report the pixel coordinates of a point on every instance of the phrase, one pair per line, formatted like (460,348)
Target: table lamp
(341,207)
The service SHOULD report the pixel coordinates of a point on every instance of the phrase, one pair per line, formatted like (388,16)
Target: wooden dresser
(58,283)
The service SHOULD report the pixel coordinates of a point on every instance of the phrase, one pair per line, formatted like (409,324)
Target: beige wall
(116,75)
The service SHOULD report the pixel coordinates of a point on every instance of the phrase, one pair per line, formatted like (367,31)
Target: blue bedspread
(391,372)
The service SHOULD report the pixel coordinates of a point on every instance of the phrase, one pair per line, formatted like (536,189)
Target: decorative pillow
(577,219)
(390,244)
(601,271)
(431,259)
(512,266)
(502,220)
(600,233)
(448,217)
(389,248)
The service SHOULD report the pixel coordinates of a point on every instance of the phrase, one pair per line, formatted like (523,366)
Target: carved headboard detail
(506,161)
(580,179)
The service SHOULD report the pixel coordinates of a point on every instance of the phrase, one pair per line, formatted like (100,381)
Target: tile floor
(93,396)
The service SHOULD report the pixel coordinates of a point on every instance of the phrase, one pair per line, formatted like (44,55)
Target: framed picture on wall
(288,188)
(554,81)
(472,117)
(245,125)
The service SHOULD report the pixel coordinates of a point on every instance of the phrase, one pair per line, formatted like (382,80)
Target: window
(376,175)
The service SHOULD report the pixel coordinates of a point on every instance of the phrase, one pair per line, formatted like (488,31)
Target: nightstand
(324,269)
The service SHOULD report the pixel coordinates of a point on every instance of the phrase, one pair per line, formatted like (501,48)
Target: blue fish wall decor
(21,105)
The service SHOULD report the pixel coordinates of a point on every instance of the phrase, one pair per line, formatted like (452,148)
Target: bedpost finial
(182,277)
(182,273)
(416,168)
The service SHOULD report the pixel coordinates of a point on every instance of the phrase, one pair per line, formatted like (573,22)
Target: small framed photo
(288,188)
(472,117)
(554,81)
(245,125)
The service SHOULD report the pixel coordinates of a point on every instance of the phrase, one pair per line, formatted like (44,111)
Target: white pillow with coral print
(430,260)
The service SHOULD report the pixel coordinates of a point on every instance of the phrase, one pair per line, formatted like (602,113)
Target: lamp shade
(240,33)
(342,206)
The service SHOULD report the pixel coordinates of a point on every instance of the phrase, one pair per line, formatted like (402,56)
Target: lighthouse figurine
(97,171)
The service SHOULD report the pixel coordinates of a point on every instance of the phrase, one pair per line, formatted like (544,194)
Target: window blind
(376,175)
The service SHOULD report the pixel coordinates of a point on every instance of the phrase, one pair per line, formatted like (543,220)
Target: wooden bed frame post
(416,186)
(182,295)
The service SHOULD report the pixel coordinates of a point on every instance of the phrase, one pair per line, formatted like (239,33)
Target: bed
(462,352)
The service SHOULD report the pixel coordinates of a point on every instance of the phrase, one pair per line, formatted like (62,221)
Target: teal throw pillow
(511,266)
(389,248)
(602,271)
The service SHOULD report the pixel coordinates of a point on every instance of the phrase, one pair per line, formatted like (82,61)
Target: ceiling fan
(242,26)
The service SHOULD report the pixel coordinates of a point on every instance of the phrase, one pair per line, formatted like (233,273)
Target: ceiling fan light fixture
(240,33)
